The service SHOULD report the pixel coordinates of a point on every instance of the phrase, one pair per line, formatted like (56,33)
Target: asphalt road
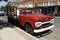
(53,34)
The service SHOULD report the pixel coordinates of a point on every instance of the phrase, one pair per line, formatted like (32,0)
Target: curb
(26,35)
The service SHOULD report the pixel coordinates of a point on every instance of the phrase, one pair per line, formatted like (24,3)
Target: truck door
(21,18)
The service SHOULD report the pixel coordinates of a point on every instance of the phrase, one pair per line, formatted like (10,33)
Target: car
(34,21)
(2,12)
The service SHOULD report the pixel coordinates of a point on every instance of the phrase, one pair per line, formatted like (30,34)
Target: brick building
(49,7)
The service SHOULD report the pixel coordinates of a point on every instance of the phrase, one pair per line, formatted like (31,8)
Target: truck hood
(39,17)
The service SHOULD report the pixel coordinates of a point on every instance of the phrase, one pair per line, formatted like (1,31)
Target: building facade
(48,7)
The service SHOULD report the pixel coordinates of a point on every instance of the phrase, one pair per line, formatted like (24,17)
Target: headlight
(52,21)
(38,24)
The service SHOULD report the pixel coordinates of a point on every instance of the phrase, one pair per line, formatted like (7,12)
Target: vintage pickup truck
(31,19)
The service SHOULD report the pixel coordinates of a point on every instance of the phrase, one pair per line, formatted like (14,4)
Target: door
(45,10)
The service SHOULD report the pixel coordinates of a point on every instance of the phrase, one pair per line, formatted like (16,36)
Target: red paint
(32,18)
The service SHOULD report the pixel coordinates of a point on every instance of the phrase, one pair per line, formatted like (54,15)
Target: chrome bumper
(43,29)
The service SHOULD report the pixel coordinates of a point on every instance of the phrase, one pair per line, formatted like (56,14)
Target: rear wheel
(28,29)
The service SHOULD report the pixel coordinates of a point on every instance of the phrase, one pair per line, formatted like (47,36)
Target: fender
(31,23)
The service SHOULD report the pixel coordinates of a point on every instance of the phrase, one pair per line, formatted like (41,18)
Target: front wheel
(28,29)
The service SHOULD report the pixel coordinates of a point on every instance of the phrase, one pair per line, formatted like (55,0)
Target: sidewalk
(16,34)
(27,36)
(10,34)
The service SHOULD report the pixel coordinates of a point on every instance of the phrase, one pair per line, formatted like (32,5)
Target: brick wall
(33,2)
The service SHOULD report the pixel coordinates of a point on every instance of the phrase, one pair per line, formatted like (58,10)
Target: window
(31,11)
(59,2)
(49,3)
(25,0)
(58,8)
(52,3)
(30,5)
(20,0)
(45,3)
(40,4)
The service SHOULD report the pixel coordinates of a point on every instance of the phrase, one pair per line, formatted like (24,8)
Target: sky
(3,3)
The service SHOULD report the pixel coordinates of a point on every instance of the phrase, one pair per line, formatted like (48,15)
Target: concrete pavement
(26,35)
(10,34)
(16,34)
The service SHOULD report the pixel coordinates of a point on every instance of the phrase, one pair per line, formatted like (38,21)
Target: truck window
(22,11)
(28,11)
(32,11)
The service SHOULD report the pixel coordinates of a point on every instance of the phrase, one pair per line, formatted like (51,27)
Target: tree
(5,7)
(6,0)
(0,0)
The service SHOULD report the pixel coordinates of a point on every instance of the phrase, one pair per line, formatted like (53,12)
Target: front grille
(46,25)
(45,20)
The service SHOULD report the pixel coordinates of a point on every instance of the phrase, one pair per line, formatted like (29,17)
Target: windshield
(32,11)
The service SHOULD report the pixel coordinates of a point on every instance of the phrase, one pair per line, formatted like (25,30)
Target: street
(52,34)
(55,35)
(29,19)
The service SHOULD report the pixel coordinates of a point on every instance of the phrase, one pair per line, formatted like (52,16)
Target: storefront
(50,10)
(58,10)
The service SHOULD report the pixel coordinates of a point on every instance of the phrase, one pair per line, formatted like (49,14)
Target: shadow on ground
(42,34)
(4,24)
(11,24)
(38,35)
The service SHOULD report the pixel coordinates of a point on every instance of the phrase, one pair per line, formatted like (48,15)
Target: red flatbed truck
(31,19)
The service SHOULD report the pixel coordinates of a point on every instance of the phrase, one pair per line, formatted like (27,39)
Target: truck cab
(33,21)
